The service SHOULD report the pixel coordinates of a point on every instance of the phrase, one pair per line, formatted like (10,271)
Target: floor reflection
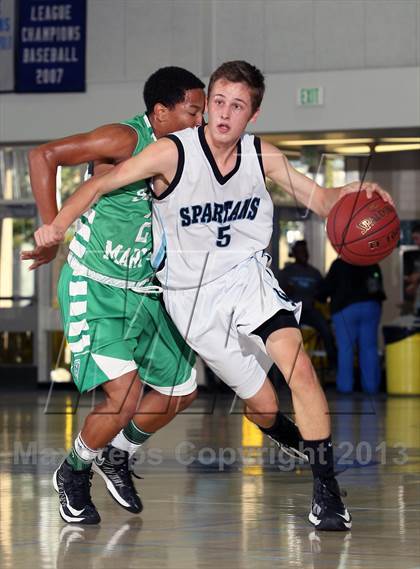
(216,493)
(97,546)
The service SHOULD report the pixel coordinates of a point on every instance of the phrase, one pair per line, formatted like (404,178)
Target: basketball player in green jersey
(113,319)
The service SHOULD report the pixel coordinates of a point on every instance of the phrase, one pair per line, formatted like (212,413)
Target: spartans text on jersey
(219,212)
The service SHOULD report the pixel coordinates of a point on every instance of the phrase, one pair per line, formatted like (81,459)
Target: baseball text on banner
(51,41)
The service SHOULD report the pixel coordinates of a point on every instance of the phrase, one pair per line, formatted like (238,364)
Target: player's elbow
(42,156)
(34,156)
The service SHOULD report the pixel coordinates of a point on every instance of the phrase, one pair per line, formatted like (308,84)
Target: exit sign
(310,96)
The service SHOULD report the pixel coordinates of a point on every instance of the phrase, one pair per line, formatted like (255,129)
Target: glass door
(18,318)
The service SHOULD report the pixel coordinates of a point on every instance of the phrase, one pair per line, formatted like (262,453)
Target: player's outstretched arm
(114,142)
(109,143)
(317,198)
(159,158)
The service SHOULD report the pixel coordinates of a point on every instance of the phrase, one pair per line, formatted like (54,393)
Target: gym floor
(215,493)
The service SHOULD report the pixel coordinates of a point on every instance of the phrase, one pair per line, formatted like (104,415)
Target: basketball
(363,230)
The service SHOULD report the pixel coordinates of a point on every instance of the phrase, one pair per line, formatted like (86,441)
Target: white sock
(122,443)
(87,454)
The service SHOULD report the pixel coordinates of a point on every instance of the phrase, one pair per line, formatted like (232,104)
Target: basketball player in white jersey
(212,222)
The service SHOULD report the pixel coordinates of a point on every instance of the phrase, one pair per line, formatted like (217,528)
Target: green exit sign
(310,97)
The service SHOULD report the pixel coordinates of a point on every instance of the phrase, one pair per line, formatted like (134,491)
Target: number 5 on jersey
(223,237)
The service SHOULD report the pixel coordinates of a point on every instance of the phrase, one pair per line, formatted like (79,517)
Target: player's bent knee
(127,412)
(124,407)
(303,375)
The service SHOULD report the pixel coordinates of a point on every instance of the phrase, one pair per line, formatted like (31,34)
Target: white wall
(366,54)
(354,99)
(277,35)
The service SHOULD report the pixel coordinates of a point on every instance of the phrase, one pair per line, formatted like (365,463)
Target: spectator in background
(412,281)
(303,282)
(356,303)
(415,234)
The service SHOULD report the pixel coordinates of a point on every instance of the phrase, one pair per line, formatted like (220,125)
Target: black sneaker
(287,437)
(113,466)
(73,487)
(328,511)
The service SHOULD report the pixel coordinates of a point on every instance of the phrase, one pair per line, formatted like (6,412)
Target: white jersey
(205,223)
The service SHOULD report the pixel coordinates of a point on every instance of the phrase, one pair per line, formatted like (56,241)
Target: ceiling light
(324,141)
(357,149)
(396,147)
(401,140)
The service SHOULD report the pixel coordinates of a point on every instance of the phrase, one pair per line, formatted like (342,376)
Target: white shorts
(218,321)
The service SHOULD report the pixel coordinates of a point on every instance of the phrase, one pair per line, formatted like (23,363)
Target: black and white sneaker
(73,487)
(114,468)
(287,437)
(328,512)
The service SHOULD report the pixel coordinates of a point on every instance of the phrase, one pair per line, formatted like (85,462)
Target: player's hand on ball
(48,235)
(369,187)
(362,229)
(39,256)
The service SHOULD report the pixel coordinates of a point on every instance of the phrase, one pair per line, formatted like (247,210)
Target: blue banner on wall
(51,46)
(7,27)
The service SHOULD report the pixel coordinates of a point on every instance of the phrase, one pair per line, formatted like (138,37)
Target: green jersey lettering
(114,237)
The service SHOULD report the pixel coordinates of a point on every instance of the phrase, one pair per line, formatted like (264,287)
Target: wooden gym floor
(213,492)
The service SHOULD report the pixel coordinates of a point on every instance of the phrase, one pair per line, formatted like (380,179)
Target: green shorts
(112,331)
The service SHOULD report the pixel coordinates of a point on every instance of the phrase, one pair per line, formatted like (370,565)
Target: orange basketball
(363,231)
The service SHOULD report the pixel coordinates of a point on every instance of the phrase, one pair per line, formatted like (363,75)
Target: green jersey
(113,239)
